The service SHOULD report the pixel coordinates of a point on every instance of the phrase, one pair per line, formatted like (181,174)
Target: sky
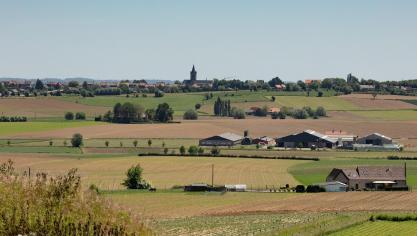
(247,40)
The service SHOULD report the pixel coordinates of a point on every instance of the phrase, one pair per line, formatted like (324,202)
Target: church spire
(193,74)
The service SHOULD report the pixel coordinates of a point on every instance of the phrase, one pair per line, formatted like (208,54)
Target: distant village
(89,87)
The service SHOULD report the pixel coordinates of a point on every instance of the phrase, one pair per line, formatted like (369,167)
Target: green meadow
(13,128)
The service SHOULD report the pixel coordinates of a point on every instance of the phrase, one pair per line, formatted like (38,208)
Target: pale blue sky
(253,40)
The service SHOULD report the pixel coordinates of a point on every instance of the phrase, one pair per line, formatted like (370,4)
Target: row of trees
(78,116)
(132,113)
(302,113)
(13,119)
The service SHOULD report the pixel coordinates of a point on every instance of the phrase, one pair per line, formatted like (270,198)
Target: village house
(306,139)
(371,177)
(225,139)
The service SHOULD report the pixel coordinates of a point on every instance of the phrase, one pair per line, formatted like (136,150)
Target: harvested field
(257,127)
(379,104)
(163,172)
(392,115)
(44,107)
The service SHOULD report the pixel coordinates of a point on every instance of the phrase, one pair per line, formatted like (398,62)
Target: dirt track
(322,202)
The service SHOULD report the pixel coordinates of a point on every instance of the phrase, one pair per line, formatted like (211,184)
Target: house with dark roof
(371,177)
(306,139)
(375,139)
(225,139)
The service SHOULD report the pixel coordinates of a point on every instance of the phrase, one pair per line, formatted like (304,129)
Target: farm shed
(371,177)
(375,139)
(235,187)
(343,139)
(225,139)
(264,140)
(197,187)
(334,186)
(306,139)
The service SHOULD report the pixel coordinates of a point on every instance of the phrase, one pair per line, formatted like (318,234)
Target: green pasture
(13,128)
(317,171)
(388,114)
(381,228)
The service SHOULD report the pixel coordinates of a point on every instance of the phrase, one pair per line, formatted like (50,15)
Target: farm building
(235,187)
(343,139)
(333,186)
(375,139)
(197,187)
(264,140)
(371,177)
(306,139)
(225,139)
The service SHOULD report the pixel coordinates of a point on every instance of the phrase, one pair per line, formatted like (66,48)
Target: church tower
(193,75)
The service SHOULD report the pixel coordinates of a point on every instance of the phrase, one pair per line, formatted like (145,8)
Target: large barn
(306,139)
(375,139)
(371,177)
(225,139)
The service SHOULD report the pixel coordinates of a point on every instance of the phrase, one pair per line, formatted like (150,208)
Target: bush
(309,111)
(215,151)
(193,150)
(165,151)
(135,143)
(159,94)
(261,111)
(80,116)
(237,113)
(134,178)
(77,140)
(182,150)
(320,94)
(69,116)
(98,118)
(278,115)
(321,111)
(300,114)
(314,189)
(190,115)
(300,189)
(197,106)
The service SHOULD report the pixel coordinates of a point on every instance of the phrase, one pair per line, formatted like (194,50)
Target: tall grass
(42,205)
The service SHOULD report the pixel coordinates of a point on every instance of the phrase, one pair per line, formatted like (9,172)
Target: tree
(80,116)
(197,106)
(300,114)
(237,113)
(77,140)
(261,111)
(51,143)
(275,81)
(149,142)
(215,151)
(69,116)
(73,84)
(134,178)
(39,85)
(165,151)
(159,93)
(200,151)
(163,113)
(121,144)
(222,107)
(320,94)
(135,143)
(374,94)
(85,85)
(320,111)
(107,143)
(182,150)
(65,143)
(192,150)
(190,115)
(163,144)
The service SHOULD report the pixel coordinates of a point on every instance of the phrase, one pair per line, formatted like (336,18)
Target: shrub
(135,143)
(314,189)
(320,94)
(300,189)
(193,150)
(182,150)
(300,114)
(237,113)
(309,111)
(107,143)
(159,94)
(80,116)
(190,115)
(51,143)
(69,116)
(65,143)
(261,111)
(149,142)
(215,151)
(197,106)
(165,151)
(200,151)
(134,178)
(77,140)
(98,118)
(321,111)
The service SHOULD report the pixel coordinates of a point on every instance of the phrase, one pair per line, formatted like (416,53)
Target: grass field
(383,228)
(12,128)
(388,114)
(316,172)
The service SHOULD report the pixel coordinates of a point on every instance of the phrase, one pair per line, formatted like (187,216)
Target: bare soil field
(379,103)
(256,127)
(44,107)
(324,202)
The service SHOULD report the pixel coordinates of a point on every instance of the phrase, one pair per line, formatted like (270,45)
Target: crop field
(316,172)
(14,128)
(383,228)
(164,172)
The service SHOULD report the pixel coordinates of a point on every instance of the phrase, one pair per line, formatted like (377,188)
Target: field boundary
(231,156)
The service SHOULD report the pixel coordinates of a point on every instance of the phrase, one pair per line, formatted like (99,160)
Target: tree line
(134,113)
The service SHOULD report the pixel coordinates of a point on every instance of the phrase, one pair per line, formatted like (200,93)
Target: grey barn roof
(230,136)
(320,135)
(375,172)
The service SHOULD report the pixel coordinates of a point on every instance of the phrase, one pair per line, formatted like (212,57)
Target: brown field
(44,107)
(162,172)
(381,97)
(379,104)
(256,127)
